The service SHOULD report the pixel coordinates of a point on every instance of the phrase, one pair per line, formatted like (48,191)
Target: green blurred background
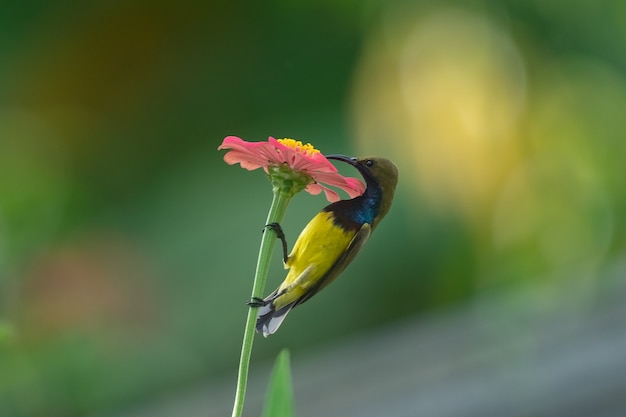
(127,245)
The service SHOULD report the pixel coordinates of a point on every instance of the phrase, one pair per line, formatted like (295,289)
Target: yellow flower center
(306,149)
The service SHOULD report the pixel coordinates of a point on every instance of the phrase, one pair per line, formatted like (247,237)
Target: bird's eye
(369,163)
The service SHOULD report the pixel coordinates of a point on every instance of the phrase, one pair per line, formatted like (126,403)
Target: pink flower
(291,165)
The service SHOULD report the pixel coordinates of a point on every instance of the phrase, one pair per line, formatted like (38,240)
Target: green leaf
(279,398)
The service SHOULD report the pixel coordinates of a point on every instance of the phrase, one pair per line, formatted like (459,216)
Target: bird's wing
(342,262)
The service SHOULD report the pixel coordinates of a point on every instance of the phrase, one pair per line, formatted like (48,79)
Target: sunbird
(329,242)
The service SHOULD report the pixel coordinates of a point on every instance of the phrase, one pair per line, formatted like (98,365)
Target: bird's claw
(280,235)
(256,302)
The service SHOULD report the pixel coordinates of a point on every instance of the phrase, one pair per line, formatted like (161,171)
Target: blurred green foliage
(279,401)
(127,246)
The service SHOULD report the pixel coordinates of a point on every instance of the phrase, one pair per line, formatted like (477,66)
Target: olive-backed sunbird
(329,242)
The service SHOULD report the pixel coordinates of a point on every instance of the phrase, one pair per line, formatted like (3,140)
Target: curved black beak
(344,158)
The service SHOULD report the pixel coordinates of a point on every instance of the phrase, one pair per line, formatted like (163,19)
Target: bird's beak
(344,158)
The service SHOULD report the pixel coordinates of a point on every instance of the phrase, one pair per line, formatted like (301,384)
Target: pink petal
(355,187)
(250,155)
(331,195)
(313,188)
(321,160)
(316,188)
(233,142)
(350,185)
(246,160)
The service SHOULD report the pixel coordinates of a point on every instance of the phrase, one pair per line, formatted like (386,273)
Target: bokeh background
(127,245)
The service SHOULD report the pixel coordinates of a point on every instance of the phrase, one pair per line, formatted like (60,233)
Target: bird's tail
(269,319)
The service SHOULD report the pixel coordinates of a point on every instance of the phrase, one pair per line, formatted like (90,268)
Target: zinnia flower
(291,166)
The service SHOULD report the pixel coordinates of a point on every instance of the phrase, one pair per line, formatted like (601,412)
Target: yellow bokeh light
(443,94)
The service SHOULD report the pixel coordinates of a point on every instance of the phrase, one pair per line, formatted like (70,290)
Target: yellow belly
(317,249)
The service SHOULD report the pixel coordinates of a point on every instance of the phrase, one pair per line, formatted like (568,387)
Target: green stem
(277,211)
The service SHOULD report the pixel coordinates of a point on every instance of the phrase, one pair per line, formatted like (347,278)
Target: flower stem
(276,213)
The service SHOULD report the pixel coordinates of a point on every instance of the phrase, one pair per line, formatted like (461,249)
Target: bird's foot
(257,302)
(280,235)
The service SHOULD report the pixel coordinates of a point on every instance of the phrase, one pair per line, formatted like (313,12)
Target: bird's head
(377,173)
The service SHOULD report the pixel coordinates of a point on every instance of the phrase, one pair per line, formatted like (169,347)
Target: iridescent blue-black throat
(352,214)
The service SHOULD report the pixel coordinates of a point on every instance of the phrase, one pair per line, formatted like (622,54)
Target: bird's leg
(280,235)
(257,302)
(260,302)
